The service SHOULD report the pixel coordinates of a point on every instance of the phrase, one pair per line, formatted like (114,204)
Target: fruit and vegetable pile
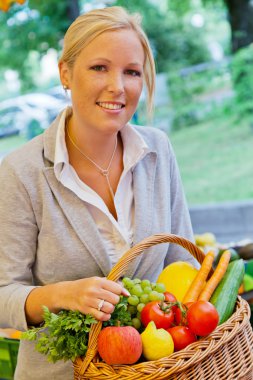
(158,318)
(238,250)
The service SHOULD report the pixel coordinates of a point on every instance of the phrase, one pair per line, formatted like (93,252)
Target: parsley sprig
(64,336)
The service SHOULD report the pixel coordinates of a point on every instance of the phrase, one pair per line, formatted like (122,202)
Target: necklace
(104,172)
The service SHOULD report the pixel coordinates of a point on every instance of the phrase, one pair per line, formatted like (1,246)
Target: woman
(74,199)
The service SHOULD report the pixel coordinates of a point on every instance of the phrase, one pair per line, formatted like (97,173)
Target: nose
(116,83)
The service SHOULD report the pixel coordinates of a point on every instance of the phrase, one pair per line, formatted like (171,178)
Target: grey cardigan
(47,234)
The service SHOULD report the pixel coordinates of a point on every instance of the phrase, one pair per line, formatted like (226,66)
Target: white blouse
(116,234)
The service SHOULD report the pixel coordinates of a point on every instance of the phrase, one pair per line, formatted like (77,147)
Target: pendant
(104,172)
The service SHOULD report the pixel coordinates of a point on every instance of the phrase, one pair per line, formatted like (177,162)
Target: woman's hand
(87,296)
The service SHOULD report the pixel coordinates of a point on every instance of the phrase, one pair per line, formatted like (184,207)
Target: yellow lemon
(177,277)
(156,343)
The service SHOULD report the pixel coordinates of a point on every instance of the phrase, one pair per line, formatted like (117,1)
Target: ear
(64,72)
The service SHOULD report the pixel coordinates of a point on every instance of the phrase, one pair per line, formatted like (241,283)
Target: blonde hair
(88,26)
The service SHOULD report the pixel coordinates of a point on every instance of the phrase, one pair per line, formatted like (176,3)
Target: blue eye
(134,73)
(98,68)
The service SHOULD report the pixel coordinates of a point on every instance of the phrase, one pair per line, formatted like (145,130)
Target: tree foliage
(30,31)
(239,15)
(240,18)
(175,42)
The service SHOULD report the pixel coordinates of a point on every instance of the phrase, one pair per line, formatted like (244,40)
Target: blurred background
(204,59)
(204,102)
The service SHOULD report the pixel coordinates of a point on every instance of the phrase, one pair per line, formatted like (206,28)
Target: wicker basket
(226,354)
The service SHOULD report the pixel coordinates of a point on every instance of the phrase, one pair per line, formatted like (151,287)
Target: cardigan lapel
(81,221)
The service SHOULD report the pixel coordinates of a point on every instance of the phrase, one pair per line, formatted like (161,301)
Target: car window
(9,121)
(7,118)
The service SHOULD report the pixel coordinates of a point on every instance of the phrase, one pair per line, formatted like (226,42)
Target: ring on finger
(100,304)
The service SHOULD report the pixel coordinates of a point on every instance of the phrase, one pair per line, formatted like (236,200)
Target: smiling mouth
(110,106)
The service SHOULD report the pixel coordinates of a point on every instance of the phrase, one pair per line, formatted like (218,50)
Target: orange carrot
(241,289)
(216,277)
(199,281)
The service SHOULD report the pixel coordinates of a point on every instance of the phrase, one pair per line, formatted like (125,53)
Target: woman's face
(106,81)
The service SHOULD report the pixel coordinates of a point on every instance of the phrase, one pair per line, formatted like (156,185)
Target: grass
(215,160)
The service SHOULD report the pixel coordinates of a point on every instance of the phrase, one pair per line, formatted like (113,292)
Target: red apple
(119,345)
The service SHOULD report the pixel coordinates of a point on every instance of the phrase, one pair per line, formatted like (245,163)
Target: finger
(104,313)
(112,286)
(125,292)
(110,297)
(102,305)
(100,315)
(107,308)
(115,287)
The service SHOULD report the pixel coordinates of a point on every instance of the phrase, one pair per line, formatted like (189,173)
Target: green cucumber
(225,295)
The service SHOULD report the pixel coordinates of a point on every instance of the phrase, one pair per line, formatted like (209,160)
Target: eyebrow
(108,61)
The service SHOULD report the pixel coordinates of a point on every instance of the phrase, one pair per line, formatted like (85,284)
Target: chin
(113,126)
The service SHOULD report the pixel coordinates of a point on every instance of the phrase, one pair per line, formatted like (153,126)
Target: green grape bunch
(141,292)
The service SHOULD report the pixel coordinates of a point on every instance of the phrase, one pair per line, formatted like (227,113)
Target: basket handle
(120,268)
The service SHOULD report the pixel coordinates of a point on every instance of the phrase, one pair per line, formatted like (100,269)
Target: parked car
(16,115)
(29,114)
(51,104)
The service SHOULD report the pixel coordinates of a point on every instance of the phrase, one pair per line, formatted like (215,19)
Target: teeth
(110,106)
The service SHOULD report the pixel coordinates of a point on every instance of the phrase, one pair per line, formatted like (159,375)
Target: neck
(105,169)
(97,146)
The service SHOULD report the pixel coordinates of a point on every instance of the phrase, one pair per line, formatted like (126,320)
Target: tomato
(158,312)
(182,336)
(202,318)
(169,297)
(180,315)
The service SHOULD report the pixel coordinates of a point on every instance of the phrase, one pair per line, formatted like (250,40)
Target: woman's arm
(83,295)
(18,241)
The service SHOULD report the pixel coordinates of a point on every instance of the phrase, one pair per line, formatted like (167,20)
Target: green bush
(195,93)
